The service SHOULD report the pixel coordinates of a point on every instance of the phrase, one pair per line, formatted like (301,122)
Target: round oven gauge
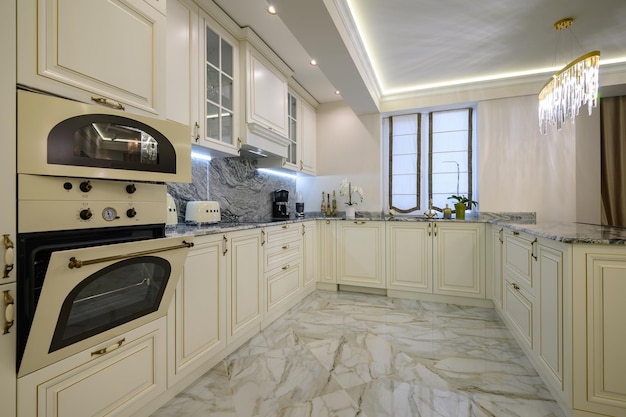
(109,214)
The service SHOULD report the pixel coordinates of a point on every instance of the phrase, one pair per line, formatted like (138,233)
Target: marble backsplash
(244,193)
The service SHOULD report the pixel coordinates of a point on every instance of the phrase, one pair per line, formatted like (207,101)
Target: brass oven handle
(109,102)
(8,256)
(109,348)
(9,312)
(76,263)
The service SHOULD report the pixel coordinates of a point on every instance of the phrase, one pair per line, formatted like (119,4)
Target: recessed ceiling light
(271,9)
(337,92)
(314,62)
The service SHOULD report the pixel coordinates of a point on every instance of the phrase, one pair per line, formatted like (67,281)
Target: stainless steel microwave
(61,137)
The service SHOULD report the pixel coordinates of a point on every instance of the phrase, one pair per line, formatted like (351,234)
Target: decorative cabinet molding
(61,52)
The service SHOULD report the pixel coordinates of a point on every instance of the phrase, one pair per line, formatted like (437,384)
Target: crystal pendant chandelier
(569,89)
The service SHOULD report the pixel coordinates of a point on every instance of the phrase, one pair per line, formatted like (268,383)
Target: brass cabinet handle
(515,286)
(429,229)
(285,267)
(303,230)
(327,221)
(301,165)
(515,233)
(262,237)
(285,226)
(435,229)
(197,127)
(532,249)
(9,312)
(360,222)
(239,145)
(286,247)
(500,233)
(108,348)
(8,256)
(225,240)
(109,102)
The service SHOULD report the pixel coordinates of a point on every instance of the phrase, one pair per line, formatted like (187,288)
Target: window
(434,169)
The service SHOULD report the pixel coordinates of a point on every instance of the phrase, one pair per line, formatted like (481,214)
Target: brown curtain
(613,156)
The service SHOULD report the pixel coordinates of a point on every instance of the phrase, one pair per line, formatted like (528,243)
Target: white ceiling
(405,47)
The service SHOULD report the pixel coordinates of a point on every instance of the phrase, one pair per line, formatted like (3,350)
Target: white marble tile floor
(348,354)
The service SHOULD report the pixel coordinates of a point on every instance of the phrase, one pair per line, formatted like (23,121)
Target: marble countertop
(566,232)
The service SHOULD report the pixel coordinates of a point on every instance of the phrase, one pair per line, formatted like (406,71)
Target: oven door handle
(77,263)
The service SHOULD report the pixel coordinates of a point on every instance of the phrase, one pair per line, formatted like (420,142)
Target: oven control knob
(130,188)
(86,214)
(85,186)
(131,212)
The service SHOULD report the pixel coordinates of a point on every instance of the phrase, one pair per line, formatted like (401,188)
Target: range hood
(262,142)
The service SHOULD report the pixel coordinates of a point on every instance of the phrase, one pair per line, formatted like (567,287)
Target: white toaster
(203,212)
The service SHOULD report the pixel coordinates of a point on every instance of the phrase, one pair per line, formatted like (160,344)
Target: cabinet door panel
(519,310)
(551,309)
(245,287)
(408,257)
(360,254)
(268,99)
(459,267)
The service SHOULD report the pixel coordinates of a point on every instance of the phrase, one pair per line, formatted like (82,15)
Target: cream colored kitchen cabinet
(442,258)
(536,305)
(409,253)
(199,309)
(265,129)
(309,251)
(459,259)
(327,250)
(495,247)
(283,269)
(361,253)
(8,342)
(96,383)
(245,290)
(203,79)
(301,153)
(599,337)
(95,51)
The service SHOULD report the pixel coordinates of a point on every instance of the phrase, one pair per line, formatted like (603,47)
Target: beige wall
(347,147)
(557,175)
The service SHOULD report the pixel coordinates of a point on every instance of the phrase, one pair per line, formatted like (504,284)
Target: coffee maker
(280,204)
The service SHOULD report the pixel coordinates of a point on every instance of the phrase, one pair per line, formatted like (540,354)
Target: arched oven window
(110,141)
(110,297)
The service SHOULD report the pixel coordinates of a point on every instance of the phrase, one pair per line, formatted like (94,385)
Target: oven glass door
(91,295)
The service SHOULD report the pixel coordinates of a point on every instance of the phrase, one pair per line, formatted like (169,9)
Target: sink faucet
(432,210)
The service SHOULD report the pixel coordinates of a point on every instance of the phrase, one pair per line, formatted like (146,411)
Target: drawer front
(279,256)
(282,284)
(517,260)
(279,235)
(519,309)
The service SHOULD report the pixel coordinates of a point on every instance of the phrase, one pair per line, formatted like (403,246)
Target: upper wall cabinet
(301,118)
(265,129)
(203,78)
(99,50)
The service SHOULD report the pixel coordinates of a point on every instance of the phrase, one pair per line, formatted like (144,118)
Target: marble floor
(348,354)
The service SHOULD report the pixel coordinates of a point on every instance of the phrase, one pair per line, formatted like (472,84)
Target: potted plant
(352,192)
(462,203)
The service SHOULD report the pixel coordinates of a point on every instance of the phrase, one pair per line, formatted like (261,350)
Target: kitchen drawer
(517,259)
(519,309)
(283,284)
(280,235)
(280,256)
(120,382)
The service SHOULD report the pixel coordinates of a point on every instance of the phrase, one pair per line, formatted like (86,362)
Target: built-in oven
(91,265)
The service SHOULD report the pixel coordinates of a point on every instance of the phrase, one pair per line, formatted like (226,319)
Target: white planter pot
(350,212)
